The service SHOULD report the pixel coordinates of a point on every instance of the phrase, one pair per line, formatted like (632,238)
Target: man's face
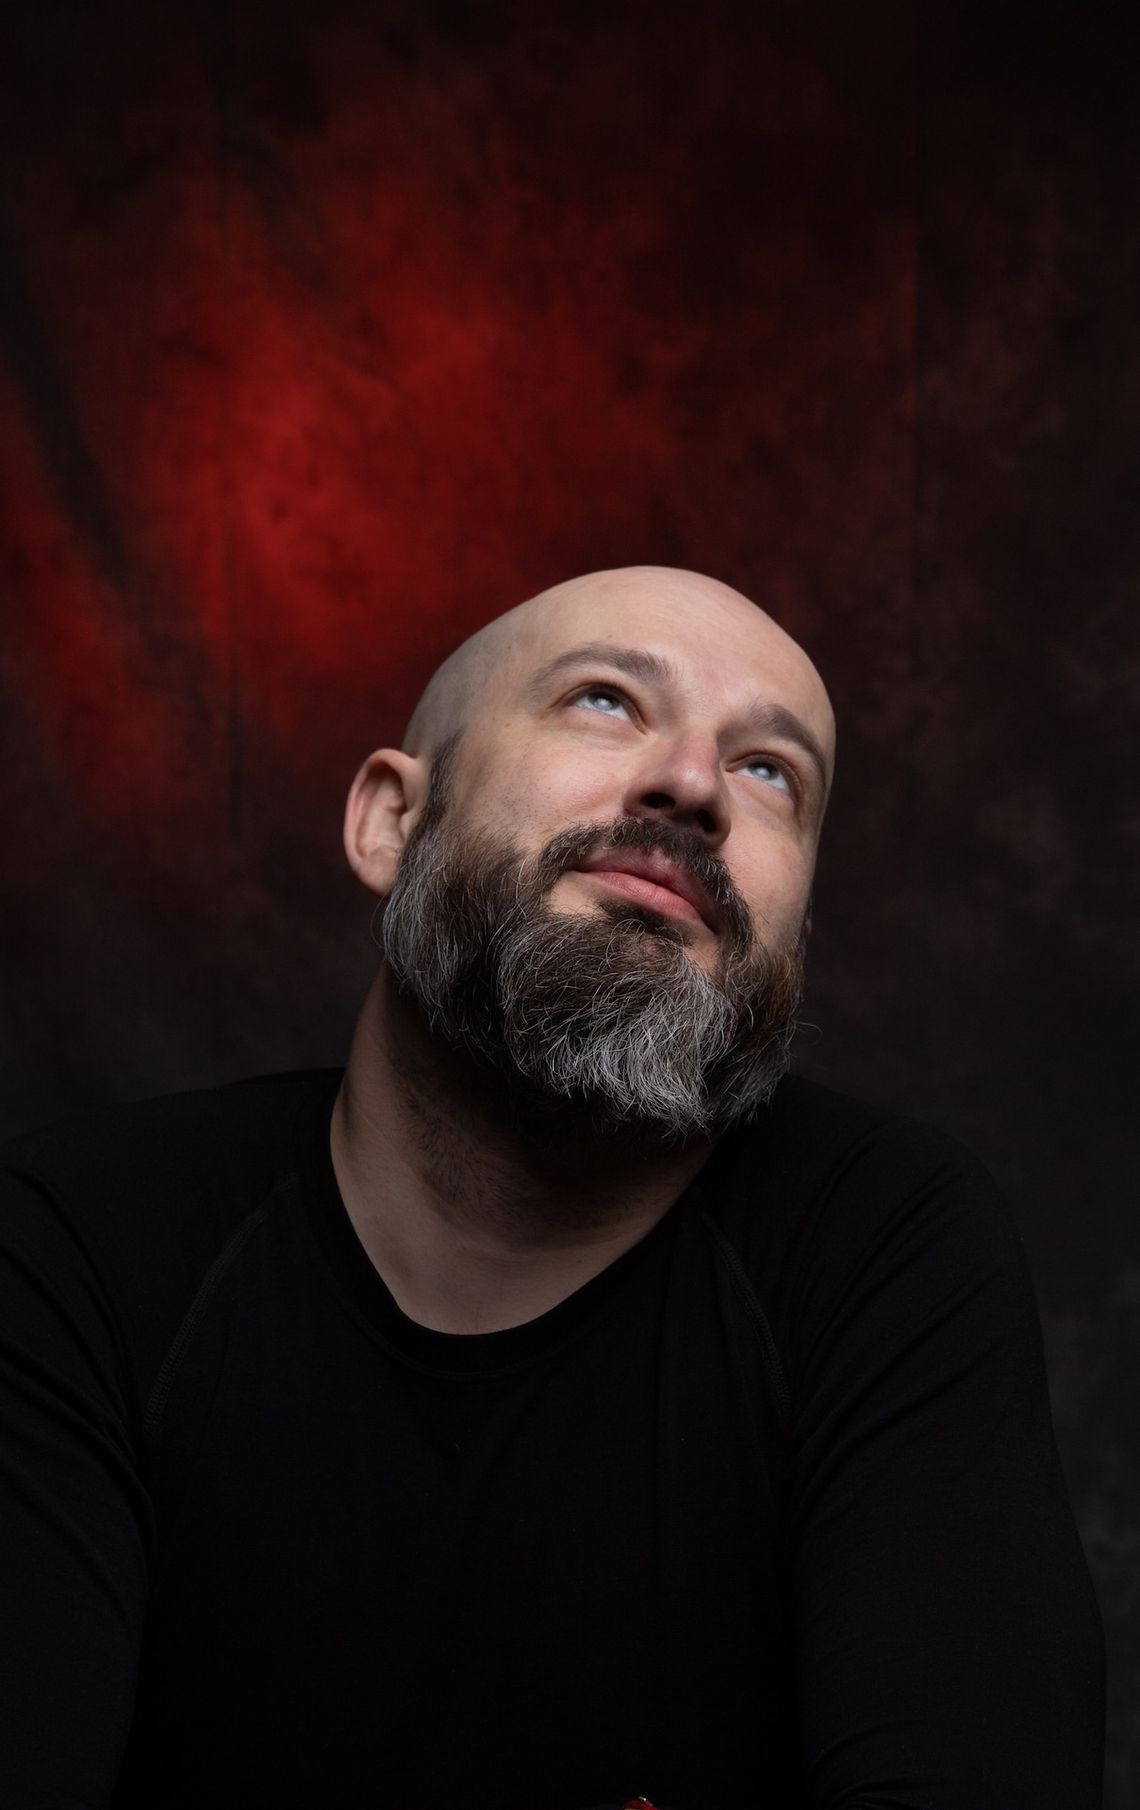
(658,700)
(565,908)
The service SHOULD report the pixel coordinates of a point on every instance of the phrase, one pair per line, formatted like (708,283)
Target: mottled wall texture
(327,332)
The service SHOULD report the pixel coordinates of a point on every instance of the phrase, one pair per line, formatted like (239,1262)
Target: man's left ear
(384,801)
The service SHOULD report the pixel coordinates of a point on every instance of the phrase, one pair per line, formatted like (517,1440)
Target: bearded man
(564,1405)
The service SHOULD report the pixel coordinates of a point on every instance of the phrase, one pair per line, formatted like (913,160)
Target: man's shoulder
(213,1150)
(808,1122)
(824,1168)
(116,1217)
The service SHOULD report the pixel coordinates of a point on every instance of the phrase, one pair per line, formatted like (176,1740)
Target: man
(562,1406)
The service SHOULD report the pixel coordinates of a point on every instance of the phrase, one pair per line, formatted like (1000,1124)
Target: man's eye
(603,699)
(770,772)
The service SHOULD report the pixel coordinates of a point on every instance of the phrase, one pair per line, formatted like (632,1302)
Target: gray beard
(604,1018)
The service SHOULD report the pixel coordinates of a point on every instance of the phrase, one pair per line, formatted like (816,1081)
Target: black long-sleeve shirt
(767,1514)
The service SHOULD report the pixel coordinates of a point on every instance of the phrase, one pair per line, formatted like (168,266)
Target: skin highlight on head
(460,686)
(638,744)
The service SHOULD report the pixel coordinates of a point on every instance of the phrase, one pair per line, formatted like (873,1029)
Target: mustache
(653,836)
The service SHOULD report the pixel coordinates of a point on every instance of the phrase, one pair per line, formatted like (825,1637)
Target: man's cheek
(776,891)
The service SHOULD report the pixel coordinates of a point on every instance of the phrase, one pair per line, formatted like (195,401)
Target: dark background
(325,334)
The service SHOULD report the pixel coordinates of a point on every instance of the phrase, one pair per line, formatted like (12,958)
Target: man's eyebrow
(762,719)
(778,720)
(636,662)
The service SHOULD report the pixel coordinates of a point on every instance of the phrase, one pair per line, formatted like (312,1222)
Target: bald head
(643,696)
(630,602)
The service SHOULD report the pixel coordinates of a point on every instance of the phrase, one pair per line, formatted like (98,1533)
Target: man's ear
(383,802)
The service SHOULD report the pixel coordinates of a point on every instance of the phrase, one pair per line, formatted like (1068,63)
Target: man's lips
(655,881)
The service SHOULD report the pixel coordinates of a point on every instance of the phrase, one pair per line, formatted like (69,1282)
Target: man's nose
(682,781)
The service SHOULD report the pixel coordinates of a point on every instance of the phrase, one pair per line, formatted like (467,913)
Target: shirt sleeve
(950,1654)
(73,1515)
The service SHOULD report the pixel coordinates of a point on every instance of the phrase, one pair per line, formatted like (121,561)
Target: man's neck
(475,1219)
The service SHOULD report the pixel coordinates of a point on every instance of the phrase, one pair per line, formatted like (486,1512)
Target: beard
(604,1019)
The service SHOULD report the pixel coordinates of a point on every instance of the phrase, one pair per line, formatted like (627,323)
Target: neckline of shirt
(452,1354)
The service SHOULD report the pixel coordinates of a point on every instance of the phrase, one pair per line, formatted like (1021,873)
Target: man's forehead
(702,635)
(713,639)
(634,599)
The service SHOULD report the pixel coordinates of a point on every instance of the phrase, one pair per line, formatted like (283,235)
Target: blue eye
(770,772)
(603,699)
